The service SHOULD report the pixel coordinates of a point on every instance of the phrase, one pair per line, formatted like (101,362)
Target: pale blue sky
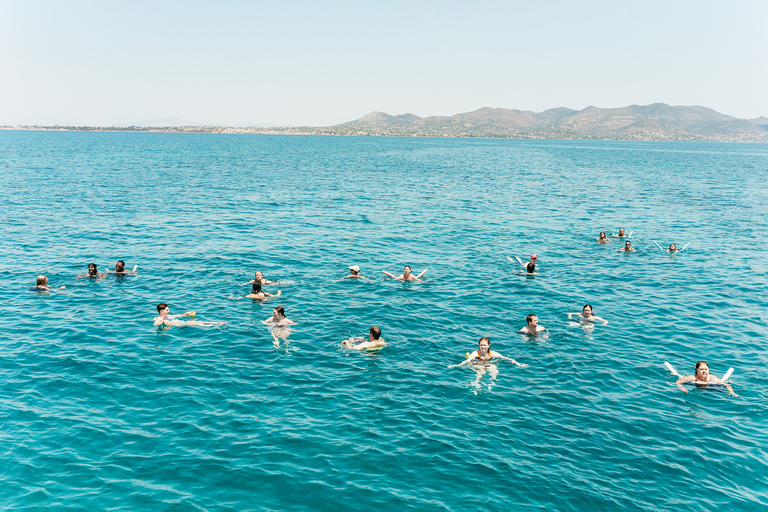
(319,63)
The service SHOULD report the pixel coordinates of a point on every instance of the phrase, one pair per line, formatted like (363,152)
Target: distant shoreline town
(657,122)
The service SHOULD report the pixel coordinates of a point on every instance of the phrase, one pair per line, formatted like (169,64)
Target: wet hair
(701,363)
(375,332)
(627,243)
(258,272)
(530,267)
(161,306)
(671,246)
(587,306)
(602,234)
(94,268)
(121,263)
(486,339)
(41,279)
(407,267)
(256,288)
(528,318)
(280,309)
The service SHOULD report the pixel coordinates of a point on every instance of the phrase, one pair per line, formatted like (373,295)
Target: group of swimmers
(280,324)
(603,239)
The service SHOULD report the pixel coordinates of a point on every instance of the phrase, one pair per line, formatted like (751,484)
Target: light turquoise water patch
(102,410)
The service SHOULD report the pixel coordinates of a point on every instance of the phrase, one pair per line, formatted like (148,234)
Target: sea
(101,410)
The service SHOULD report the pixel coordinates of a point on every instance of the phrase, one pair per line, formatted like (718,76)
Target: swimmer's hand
(192,313)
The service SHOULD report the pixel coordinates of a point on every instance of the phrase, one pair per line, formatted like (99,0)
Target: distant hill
(636,122)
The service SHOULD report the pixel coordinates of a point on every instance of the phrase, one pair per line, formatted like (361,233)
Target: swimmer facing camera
(702,377)
(485,354)
(406,276)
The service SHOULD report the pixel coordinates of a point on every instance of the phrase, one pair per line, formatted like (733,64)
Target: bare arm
(468,360)
(683,380)
(727,386)
(496,354)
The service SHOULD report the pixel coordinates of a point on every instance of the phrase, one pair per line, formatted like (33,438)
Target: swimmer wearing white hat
(354,273)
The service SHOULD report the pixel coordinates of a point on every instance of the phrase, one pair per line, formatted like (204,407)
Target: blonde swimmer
(484,354)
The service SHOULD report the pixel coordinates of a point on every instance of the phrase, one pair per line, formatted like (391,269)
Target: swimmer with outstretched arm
(257,293)
(92,272)
(586,316)
(532,326)
(702,376)
(484,353)
(374,341)
(621,234)
(165,318)
(603,239)
(354,273)
(530,267)
(278,318)
(120,269)
(407,276)
(42,285)
(259,276)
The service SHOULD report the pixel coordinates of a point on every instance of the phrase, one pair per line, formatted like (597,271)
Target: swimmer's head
(602,234)
(621,231)
(354,269)
(702,368)
(375,332)
(92,269)
(587,309)
(530,267)
(627,244)
(280,310)
(120,266)
(533,258)
(532,320)
(162,306)
(259,275)
(484,344)
(42,280)
(407,269)
(672,247)
(256,288)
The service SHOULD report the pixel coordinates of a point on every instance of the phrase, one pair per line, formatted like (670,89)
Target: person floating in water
(165,318)
(375,341)
(702,378)
(530,267)
(92,272)
(533,326)
(258,293)
(620,235)
(120,269)
(484,354)
(603,239)
(586,316)
(278,318)
(259,276)
(407,276)
(628,247)
(354,273)
(42,285)
(672,249)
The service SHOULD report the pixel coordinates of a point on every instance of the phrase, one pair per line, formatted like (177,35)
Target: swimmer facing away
(354,273)
(278,318)
(407,276)
(484,353)
(42,285)
(702,377)
(257,293)
(603,239)
(586,316)
(92,272)
(374,341)
(628,247)
(259,276)
(533,326)
(164,318)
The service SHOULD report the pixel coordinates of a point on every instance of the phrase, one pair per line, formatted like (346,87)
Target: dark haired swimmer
(165,318)
(120,269)
(533,326)
(259,276)
(672,249)
(407,276)
(586,316)
(278,318)
(628,247)
(374,341)
(484,353)
(620,235)
(257,293)
(702,378)
(603,239)
(42,285)
(92,272)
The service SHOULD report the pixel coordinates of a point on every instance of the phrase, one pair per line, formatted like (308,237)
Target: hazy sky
(286,62)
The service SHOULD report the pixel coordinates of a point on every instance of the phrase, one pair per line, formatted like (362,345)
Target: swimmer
(164,318)
(92,272)
(533,326)
(354,273)
(42,285)
(530,267)
(485,354)
(586,316)
(628,247)
(407,276)
(120,269)
(672,249)
(278,318)
(374,341)
(257,293)
(702,377)
(603,239)
(620,235)
(259,276)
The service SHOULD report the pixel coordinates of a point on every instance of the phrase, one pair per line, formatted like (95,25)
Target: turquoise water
(101,410)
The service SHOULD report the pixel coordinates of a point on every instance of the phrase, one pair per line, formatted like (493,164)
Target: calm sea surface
(99,410)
